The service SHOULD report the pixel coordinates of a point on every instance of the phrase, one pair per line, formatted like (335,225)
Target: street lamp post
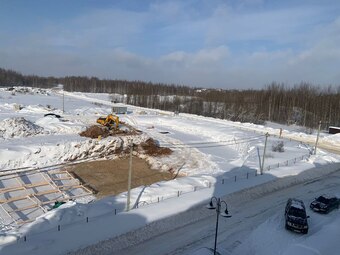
(225,214)
(129,178)
(317,138)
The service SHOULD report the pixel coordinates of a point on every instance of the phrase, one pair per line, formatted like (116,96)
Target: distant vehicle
(325,204)
(295,216)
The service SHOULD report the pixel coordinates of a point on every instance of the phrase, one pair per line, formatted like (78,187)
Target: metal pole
(317,138)
(264,153)
(63,101)
(129,179)
(217,216)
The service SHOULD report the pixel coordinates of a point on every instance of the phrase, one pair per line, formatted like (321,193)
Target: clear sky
(208,43)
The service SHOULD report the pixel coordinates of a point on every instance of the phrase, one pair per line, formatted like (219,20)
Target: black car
(295,216)
(325,204)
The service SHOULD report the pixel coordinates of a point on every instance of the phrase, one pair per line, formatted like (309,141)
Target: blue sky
(208,43)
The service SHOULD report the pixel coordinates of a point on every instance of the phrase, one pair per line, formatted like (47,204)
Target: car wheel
(305,231)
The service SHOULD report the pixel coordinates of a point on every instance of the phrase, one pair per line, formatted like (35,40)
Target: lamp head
(225,213)
(211,205)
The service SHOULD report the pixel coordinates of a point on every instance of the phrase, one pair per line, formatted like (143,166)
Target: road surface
(196,227)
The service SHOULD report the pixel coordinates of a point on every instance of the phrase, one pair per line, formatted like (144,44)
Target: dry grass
(109,177)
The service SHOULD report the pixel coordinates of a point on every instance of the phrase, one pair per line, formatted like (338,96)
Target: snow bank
(19,127)
(55,125)
(66,151)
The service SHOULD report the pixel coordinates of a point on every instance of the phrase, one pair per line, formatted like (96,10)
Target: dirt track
(109,177)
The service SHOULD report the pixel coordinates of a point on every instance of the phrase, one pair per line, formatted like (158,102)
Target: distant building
(119,109)
(334,130)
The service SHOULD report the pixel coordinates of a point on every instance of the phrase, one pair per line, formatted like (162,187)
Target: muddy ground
(110,177)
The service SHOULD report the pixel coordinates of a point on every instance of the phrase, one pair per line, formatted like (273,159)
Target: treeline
(303,104)
(13,78)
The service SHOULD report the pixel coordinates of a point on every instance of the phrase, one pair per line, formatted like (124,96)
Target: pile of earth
(19,127)
(150,147)
(97,131)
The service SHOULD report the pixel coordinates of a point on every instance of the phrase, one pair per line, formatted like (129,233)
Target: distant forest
(302,104)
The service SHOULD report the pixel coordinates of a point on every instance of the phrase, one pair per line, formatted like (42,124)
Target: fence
(287,162)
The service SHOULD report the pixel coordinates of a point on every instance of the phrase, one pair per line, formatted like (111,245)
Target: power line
(213,143)
(221,141)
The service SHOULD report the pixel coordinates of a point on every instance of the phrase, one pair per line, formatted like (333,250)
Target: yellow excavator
(110,121)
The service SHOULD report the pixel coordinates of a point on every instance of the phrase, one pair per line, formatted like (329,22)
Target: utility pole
(129,178)
(264,152)
(317,138)
(270,107)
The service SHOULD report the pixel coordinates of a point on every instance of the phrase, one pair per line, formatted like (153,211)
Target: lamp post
(317,138)
(225,214)
(129,178)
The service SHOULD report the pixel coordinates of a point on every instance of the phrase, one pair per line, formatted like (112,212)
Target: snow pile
(56,125)
(82,149)
(66,151)
(333,139)
(19,127)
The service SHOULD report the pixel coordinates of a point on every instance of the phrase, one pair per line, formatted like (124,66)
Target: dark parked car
(325,204)
(295,216)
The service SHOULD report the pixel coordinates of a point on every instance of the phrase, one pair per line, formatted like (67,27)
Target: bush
(278,146)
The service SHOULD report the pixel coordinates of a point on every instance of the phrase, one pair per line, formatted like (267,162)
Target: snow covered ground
(210,153)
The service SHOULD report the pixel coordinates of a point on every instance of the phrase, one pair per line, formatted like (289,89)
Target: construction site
(25,194)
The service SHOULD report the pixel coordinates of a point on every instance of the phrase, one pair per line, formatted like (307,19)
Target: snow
(322,239)
(297,204)
(18,127)
(210,153)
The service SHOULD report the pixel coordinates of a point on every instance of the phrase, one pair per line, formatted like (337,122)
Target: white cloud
(173,43)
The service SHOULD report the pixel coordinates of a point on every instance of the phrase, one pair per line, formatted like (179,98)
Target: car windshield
(297,212)
(322,199)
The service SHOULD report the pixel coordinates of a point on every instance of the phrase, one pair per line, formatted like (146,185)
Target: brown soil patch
(151,148)
(95,132)
(110,177)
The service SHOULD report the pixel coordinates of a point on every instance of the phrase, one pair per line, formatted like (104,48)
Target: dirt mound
(19,127)
(96,131)
(151,148)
